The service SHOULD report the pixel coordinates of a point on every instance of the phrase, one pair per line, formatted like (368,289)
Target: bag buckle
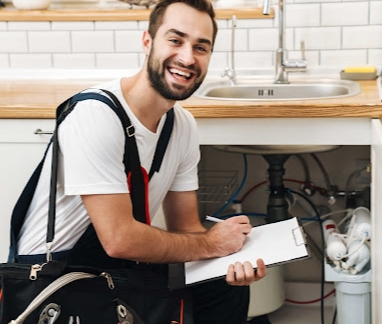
(130,131)
(124,316)
(50,314)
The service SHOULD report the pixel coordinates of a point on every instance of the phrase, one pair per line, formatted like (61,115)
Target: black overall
(208,303)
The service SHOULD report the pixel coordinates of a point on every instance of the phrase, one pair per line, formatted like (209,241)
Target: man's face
(180,53)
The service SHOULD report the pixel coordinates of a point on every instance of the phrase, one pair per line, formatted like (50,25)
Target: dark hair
(158,12)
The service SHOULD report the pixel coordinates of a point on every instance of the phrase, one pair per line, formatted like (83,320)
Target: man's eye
(175,41)
(201,49)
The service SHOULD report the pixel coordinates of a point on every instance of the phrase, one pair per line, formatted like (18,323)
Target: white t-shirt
(91,140)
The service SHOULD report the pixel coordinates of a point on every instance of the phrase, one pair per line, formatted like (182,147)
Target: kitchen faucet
(230,71)
(284,66)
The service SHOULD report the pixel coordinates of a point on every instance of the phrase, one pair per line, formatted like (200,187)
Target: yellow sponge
(360,69)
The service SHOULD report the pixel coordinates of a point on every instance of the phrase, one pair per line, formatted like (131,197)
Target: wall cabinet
(21,149)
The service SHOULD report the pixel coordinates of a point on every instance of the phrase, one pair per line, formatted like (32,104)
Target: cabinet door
(376,212)
(20,151)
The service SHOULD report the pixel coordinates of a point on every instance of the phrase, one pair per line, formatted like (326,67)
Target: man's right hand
(228,237)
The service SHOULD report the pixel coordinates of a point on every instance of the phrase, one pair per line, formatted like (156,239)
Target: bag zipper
(109,279)
(34,269)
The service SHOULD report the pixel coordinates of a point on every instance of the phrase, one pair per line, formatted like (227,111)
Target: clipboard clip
(299,236)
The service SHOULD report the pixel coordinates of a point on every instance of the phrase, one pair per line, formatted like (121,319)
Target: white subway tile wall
(74,61)
(49,41)
(374,55)
(4,61)
(336,34)
(26,61)
(375,12)
(73,25)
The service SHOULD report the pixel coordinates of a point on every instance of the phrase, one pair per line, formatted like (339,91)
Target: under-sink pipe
(331,195)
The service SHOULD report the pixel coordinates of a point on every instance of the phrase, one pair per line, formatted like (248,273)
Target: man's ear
(146,42)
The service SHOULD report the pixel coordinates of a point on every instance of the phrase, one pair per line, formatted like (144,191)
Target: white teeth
(180,72)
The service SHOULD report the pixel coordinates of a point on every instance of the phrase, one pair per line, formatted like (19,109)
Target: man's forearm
(150,244)
(124,237)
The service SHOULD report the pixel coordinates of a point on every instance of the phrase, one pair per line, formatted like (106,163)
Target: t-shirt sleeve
(91,142)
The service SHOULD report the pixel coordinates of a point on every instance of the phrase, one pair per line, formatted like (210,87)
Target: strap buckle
(130,131)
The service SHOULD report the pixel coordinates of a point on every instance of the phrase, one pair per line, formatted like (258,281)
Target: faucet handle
(231,74)
(302,44)
(297,64)
(294,65)
(225,72)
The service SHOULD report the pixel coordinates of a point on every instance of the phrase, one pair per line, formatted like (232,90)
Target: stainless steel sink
(266,90)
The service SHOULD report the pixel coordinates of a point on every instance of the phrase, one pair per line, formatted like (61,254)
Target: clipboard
(275,243)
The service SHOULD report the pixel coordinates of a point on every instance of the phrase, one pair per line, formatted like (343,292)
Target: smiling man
(95,224)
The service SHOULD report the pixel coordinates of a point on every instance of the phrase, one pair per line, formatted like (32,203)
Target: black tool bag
(87,286)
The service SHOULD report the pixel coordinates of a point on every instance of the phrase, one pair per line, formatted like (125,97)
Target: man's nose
(186,55)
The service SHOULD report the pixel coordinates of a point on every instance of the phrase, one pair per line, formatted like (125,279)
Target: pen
(214,219)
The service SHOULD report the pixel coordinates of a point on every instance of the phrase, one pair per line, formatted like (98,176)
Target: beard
(176,92)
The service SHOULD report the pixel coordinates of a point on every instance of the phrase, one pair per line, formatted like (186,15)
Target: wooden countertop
(89,12)
(39,99)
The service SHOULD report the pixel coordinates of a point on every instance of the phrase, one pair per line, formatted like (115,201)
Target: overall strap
(62,112)
(137,176)
(21,208)
(162,143)
(161,147)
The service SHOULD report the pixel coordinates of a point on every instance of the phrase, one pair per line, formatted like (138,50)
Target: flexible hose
(229,201)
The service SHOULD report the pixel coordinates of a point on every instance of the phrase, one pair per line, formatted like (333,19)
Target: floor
(289,314)
(309,313)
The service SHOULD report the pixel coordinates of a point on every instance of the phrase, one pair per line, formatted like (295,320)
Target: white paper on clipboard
(275,243)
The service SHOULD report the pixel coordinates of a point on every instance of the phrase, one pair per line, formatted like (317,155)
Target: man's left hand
(243,274)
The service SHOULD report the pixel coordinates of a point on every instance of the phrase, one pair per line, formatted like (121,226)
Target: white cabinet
(376,213)
(284,131)
(20,152)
